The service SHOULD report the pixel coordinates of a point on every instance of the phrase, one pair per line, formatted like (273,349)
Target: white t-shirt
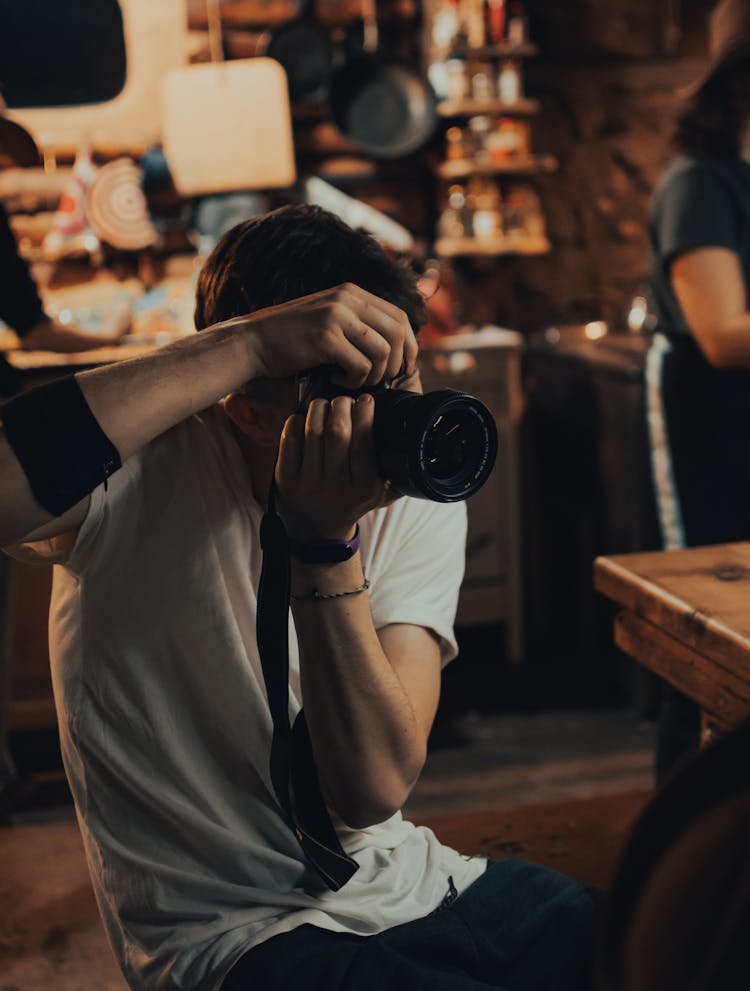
(165,727)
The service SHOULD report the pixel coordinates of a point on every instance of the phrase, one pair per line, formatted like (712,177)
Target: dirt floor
(51,937)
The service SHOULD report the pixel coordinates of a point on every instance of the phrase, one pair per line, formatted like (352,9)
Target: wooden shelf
(526,50)
(470,108)
(451,247)
(522,165)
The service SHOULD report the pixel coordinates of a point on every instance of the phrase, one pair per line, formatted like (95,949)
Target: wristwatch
(325,551)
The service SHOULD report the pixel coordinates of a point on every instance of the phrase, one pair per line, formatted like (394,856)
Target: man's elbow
(371,805)
(40,337)
(362,815)
(718,354)
(723,347)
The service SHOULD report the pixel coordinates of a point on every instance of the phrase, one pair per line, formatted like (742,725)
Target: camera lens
(440,446)
(451,446)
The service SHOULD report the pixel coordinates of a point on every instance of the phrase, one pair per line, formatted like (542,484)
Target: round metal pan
(382,105)
(304,49)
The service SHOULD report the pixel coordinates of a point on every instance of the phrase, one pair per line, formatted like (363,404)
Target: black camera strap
(292,765)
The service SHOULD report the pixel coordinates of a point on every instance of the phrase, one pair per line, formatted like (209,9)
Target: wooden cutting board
(228,126)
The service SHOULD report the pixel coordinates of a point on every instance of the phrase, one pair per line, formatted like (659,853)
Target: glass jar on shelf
(455,145)
(523,215)
(509,88)
(513,221)
(444,27)
(480,130)
(516,27)
(486,220)
(508,140)
(473,18)
(456,79)
(454,220)
(482,84)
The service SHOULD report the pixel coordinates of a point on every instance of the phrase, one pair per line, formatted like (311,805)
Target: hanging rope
(215,38)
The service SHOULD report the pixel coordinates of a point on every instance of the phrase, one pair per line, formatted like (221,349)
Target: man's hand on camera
(326,471)
(364,336)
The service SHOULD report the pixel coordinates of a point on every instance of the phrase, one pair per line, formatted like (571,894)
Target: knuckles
(339,432)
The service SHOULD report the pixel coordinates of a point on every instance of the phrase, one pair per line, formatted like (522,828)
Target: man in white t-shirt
(164,717)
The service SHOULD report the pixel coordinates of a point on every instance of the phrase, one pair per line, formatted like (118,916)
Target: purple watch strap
(325,551)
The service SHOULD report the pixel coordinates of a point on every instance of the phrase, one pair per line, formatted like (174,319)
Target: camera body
(437,445)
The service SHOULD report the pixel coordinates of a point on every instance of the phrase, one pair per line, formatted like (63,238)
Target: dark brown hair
(711,121)
(292,252)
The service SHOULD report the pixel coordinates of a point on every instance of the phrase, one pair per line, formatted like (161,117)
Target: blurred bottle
(495,16)
(455,149)
(509,139)
(456,69)
(509,82)
(480,130)
(522,213)
(482,85)
(487,221)
(445,26)
(453,220)
(474,21)
(517,27)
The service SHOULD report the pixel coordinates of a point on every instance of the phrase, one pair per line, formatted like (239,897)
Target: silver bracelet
(316,596)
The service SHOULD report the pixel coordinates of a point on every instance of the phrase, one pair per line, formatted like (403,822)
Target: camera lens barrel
(440,446)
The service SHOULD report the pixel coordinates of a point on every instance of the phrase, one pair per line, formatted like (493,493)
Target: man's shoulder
(410,519)
(187,443)
(688,174)
(422,512)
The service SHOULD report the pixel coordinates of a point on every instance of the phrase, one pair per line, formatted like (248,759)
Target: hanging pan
(304,48)
(382,105)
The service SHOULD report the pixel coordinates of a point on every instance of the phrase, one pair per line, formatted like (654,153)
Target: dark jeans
(519,927)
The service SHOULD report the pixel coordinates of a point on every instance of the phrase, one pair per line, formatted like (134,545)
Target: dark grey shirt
(699,203)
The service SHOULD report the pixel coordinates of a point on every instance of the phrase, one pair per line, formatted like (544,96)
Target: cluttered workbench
(155,315)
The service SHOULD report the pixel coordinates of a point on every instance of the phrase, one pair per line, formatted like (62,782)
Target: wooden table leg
(710,729)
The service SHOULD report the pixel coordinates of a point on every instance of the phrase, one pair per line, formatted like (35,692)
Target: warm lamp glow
(595,330)
(638,314)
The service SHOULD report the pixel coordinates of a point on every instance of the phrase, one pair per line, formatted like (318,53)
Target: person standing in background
(21,306)
(22,310)
(698,369)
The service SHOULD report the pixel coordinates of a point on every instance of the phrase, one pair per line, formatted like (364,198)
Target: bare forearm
(135,401)
(728,346)
(51,336)
(709,284)
(365,735)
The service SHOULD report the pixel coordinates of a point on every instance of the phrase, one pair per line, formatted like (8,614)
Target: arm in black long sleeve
(20,305)
(21,308)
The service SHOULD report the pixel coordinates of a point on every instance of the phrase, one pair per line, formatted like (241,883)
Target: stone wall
(606,76)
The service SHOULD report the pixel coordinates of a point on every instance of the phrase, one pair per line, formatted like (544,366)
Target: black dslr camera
(439,445)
